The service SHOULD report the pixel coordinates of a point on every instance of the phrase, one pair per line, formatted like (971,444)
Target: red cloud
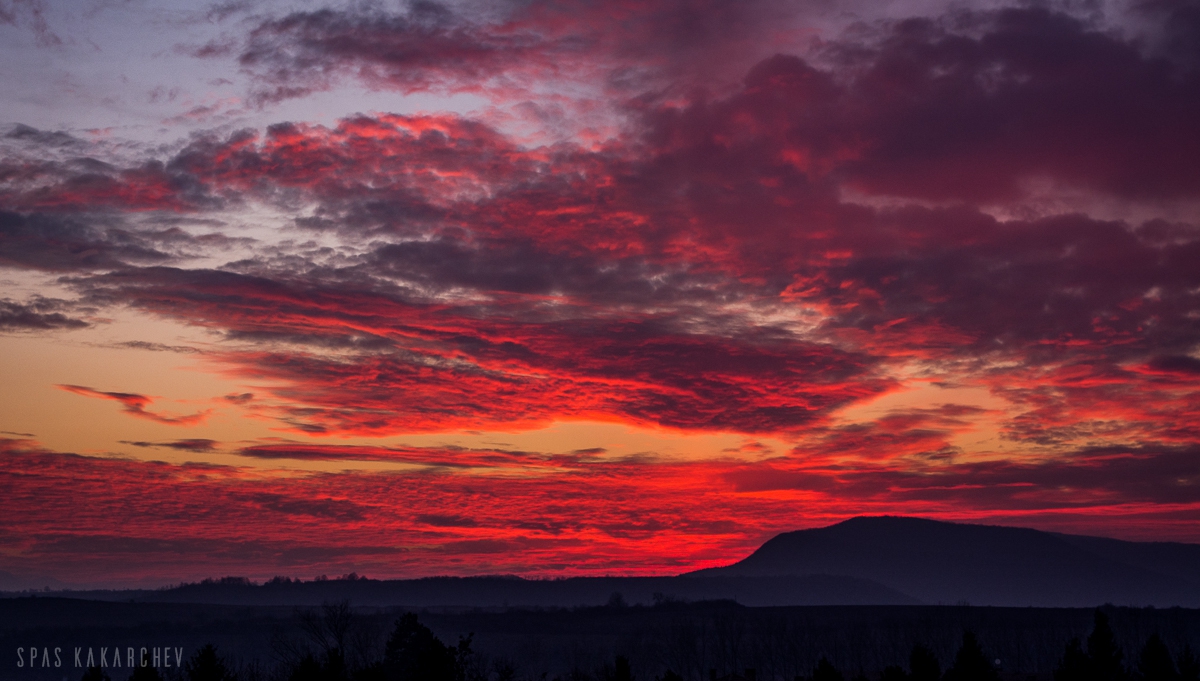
(558,515)
(430,367)
(964,109)
(562,252)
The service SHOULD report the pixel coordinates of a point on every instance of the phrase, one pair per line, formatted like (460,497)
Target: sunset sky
(584,287)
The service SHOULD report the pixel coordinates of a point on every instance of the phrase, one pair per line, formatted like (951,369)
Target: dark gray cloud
(38,314)
(196,445)
(46,138)
(156,347)
(423,46)
(63,244)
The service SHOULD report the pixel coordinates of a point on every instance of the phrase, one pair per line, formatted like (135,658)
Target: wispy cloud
(135,405)
(197,445)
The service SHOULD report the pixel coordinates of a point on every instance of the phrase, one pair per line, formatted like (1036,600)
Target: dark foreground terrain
(890,598)
(692,640)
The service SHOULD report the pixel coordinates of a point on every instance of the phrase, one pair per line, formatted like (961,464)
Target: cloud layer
(528,512)
(686,216)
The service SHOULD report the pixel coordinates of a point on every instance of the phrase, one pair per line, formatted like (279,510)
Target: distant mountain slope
(940,562)
(1168,558)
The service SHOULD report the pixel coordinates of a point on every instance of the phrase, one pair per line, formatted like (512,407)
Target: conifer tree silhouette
(893,673)
(1104,655)
(1103,660)
(970,664)
(206,665)
(1155,663)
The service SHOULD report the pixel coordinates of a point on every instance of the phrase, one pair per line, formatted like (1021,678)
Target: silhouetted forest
(506,591)
(701,642)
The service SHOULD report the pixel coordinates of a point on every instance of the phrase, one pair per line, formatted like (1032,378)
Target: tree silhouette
(505,670)
(825,671)
(621,670)
(466,666)
(1074,665)
(94,673)
(1104,655)
(413,653)
(335,646)
(923,665)
(330,629)
(970,664)
(1103,660)
(1155,663)
(670,676)
(308,669)
(206,665)
(893,673)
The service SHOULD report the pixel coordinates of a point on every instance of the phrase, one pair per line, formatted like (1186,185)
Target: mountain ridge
(943,562)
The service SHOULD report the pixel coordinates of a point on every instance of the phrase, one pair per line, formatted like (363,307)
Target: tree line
(333,649)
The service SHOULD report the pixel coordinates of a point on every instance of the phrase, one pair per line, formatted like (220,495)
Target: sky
(584,287)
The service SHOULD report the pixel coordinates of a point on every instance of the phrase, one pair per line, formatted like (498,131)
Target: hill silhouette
(949,563)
